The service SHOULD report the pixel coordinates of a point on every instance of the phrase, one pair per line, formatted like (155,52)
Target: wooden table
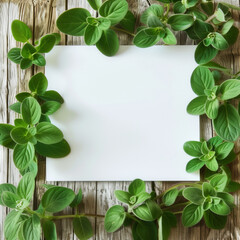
(41,16)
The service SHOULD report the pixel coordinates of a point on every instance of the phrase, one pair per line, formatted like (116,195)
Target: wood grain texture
(41,16)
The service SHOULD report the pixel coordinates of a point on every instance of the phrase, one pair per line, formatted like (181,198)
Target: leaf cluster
(30,54)
(24,224)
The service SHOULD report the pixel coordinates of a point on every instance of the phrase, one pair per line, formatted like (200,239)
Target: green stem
(168,9)
(132,217)
(122,30)
(176,205)
(178,185)
(210,18)
(180,212)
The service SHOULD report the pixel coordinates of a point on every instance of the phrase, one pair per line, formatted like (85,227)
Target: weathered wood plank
(3,101)
(98,197)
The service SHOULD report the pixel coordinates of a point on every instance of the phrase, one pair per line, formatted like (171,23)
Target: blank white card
(124,116)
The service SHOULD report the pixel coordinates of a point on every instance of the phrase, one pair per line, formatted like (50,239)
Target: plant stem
(122,30)
(177,185)
(180,212)
(132,217)
(176,205)
(210,18)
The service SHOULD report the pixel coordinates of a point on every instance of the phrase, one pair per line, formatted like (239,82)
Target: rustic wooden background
(41,16)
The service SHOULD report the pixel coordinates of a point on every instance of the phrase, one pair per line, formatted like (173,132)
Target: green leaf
(21,135)
(114,218)
(50,107)
(215,141)
(52,96)
(208,190)
(82,228)
(18,122)
(20,31)
(197,106)
(205,54)
(92,35)
(230,89)
(136,187)
(104,23)
(147,37)
(223,150)
(5,138)
(204,148)
(122,196)
(25,63)
(227,198)
(214,221)
(149,211)
(221,208)
(212,108)
(114,10)
(220,16)
(219,182)
(146,231)
(179,7)
(10,199)
(16,107)
(194,165)
(180,22)
(201,79)
(44,118)
(21,96)
(77,200)
(95,4)
(15,55)
(38,83)
(23,155)
(108,43)
(57,38)
(194,195)
(46,43)
(56,199)
(193,148)
(39,60)
(6,187)
(227,26)
(232,187)
(128,22)
(212,164)
(12,223)
(47,133)
(154,10)
(192,214)
(28,50)
(31,228)
(30,110)
(165,223)
(57,150)
(190,3)
(208,7)
(227,123)
(169,37)
(170,197)
(49,230)
(73,21)
(31,168)
(26,186)
(232,35)
(219,42)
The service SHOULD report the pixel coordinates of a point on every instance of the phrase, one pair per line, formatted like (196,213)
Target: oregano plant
(149,215)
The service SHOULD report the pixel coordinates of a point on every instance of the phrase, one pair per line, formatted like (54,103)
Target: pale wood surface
(41,15)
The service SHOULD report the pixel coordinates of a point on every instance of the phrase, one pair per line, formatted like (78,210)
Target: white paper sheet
(125,116)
